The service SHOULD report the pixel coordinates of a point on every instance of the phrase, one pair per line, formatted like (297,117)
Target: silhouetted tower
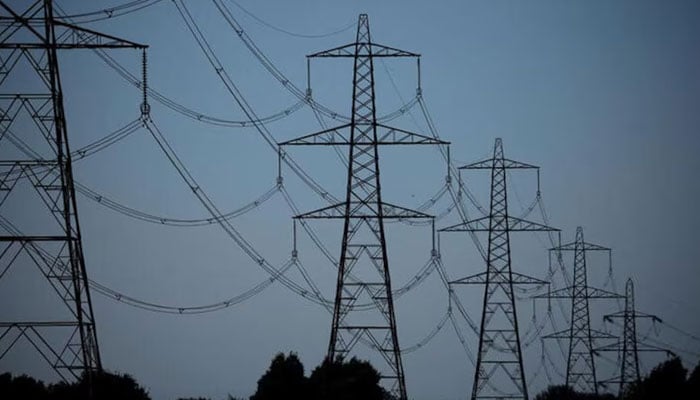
(630,346)
(363,268)
(499,368)
(34,153)
(580,366)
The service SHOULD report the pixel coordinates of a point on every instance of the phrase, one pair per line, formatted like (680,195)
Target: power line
(242,103)
(226,225)
(127,210)
(108,13)
(284,81)
(290,33)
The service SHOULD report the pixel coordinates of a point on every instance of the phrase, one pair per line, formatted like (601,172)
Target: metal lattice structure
(630,346)
(363,267)
(499,369)
(35,154)
(580,366)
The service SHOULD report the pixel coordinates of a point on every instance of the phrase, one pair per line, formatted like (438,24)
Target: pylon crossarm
(374,50)
(78,37)
(568,292)
(24,324)
(521,225)
(35,238)
(513,225)
(635,314)
(564,293)
(595,293)
(480,279)
(612,347)
(566,334)
(360,210)
(395,136)
(585,246)
(326,137)
(596,334)
(640,348)
(475,225)
(521,279)
(340,136)
(491,162)
(69,37)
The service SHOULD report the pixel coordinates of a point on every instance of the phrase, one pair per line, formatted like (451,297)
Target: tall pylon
(34,154)
(580,365)
(363,267)
(499,367)
(630,346)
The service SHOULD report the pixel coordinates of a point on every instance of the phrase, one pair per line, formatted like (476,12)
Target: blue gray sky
(602,95)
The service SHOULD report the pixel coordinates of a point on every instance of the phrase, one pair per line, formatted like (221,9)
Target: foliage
(341,380)
(21,387)
(694,381)
(666,381)
(338,380)
(284,379)
(106,386)
(567,393)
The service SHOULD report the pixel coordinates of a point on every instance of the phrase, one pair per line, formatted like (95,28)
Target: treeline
(334,380)
(338,380)
(105,386)
(284,379)
(668,380)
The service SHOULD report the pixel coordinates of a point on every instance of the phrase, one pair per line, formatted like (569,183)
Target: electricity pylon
(580,366)
(630,346)
(499,367)
(34,153)
(363,267)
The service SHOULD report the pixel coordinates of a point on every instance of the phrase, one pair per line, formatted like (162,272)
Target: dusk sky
(602,95)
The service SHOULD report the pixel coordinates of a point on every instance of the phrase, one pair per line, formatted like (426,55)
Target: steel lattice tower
(37,155)
(363,268)
(580,366)
(630,346)
(499,369)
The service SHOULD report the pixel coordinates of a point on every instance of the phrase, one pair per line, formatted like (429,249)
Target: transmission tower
(34,153)
(580,366)
(630,346)
(499,367)
(363,267)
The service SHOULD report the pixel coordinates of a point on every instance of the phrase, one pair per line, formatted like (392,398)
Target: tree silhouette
(666,381)
(337,380)
(105,386)
(284,379)
(21,387)
(341,380)
(567,393)
(694,382)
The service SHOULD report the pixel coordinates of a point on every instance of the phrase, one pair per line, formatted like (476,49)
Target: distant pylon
(499,368)
(35,154)
(580,366)
(630,346)
(363,268)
